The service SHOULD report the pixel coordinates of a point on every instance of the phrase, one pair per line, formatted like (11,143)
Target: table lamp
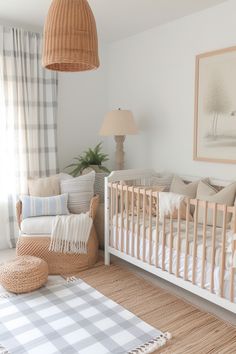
(119,123)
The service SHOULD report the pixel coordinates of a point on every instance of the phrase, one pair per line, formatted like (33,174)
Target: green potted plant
(91,159)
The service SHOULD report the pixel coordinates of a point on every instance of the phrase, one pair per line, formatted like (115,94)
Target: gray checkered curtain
(28,105)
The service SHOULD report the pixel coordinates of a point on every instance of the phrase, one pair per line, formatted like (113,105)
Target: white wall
(81,108)
(153,74)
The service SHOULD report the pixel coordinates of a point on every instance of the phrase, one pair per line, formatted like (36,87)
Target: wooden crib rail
(133,214)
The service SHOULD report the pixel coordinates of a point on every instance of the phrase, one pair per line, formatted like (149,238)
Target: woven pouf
(24,274)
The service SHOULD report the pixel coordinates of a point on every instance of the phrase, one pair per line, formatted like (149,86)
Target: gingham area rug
(73,318)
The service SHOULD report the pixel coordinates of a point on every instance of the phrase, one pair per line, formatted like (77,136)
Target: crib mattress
(218,238)
(140,253)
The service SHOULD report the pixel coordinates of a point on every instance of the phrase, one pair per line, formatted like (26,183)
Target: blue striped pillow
(41,206)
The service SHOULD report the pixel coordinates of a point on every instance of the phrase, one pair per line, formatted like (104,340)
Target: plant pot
(95,168)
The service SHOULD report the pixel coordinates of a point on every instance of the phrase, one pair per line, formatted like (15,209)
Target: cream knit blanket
(70,233)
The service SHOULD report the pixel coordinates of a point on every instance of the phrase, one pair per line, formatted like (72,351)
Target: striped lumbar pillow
(41,206)
(81,191)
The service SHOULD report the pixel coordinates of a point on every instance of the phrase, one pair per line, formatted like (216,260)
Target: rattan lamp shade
(70,37)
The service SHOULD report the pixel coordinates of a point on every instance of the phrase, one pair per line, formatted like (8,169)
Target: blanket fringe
(152,345)
(70,233)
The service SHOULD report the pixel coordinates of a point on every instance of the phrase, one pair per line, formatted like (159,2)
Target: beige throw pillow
(208,193)
(44,187)
(47,186)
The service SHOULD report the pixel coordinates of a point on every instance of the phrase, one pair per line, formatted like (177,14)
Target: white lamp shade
(119,122)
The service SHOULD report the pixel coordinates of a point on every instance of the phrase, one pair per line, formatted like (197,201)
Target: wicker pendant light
(70,37)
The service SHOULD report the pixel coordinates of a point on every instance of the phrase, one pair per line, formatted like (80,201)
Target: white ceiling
(116,19)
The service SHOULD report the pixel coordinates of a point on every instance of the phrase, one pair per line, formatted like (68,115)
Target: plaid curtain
(28,107)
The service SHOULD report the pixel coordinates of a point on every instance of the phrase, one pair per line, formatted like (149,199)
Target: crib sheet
(218,237)
(126,246)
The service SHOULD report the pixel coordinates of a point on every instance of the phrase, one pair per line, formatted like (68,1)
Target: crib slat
(117,211)
(163,242)
(204,245)
(111,216)
(157,227)
(195,241)
(222,265)
(171,244)
(186,240)
(144,225)
(132,221)
(122,218)
(178,244)
(127,220)
(232,270)
(138,224)
(150,227)
(213,245)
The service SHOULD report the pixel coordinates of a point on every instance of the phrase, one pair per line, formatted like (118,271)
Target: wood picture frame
(215,107)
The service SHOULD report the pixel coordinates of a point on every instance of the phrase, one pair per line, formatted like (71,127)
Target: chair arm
(19,212)
(94,206)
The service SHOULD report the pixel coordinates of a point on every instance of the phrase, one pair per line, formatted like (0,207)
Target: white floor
(185,295)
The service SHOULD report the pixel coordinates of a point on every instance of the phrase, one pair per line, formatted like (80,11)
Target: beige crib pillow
(178,186)
(208,193)
(162,180)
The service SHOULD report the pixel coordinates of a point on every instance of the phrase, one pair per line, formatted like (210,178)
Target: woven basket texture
(24,274)
(59,263)
(70,37)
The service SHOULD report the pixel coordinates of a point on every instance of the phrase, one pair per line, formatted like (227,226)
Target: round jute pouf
(23,274)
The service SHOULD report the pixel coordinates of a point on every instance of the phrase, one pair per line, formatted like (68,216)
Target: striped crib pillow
(81,191)
(44,206)
(162,180)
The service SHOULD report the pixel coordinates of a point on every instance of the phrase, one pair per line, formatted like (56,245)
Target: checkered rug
(72,318)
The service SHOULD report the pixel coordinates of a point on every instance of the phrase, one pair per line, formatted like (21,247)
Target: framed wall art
(215,106)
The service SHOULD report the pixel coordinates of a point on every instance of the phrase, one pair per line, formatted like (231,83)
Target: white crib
(189,254)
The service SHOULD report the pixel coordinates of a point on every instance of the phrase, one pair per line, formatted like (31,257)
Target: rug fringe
(72,279)
(152,345)
(3,350)
(6,296)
